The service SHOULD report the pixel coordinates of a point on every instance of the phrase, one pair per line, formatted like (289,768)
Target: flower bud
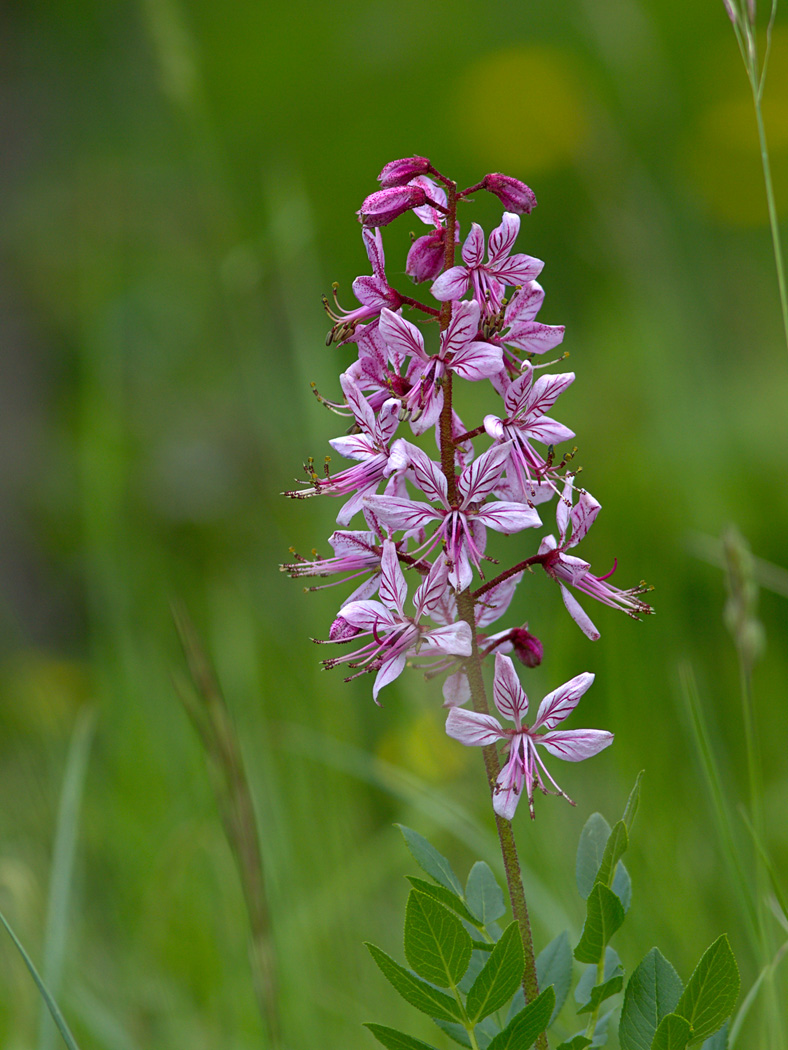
(341,630)
(426,257)
(398,172)
(514,195)
(380,208)
(527,647)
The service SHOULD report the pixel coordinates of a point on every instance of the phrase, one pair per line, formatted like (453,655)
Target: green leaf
(589,976)
(483,894)
(415,991)
(604,915)
(499,978)
(437,945)
(673,1033)
(554,967)
(429,860)
(652,992)
(631,807)
(483,1033)
(711,991)
(615,848)
(590,850)
(457,1032)
(440,893)
(577,1042)
(622,885)
(603,991)
(522,1031)
(395,1040)
(718,1041)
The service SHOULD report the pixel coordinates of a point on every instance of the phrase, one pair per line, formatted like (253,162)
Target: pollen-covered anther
(493,325)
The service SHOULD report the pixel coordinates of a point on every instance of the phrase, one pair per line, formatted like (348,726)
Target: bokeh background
(179,182)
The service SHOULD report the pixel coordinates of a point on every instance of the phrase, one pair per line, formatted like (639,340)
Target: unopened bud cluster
(415,516)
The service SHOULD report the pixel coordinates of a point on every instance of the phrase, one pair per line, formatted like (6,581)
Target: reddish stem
(466,602)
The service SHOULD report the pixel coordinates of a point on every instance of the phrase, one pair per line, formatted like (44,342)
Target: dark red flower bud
(527,647)
(514,195)
(398,172)
(380,208)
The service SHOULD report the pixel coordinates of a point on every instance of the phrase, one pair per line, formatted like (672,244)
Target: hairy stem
(511,862)
(465,607)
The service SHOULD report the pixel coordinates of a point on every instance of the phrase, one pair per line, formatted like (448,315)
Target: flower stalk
(487,331)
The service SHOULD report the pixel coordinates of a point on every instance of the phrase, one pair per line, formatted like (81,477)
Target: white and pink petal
(561,702)
(508,694)
(473,729)
(573,745)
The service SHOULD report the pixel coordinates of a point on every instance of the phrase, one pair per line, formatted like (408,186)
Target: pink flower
(355,553)
(573,524)
(459,352)
(488,280)
(372,292)
(462,526)
(396,635)
(526,402)
(515,326)
(524,766)
(371,446)
(427,254)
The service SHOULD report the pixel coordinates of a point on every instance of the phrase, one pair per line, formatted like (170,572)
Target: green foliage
(436,944)
(440,893)
(499,978)
(452,941)
(429,860)
(417,992)
(673,1033)
(659,1015)
(394,1040)
(604,915)
(554,966)
(652,992)
(711,991)
(483,975)
(591,849)
(483,894)
(525,1026)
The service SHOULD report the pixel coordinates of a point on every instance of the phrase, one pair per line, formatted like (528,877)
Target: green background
(179,188)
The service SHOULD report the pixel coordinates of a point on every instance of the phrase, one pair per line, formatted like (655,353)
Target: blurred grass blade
(56,929)
(52,1006)
(206,707)
(767,863)
(720,807)
(751,996)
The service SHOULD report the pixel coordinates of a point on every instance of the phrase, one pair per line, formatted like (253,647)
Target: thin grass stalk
(720,805)
(207,709)
(46,995)
(747,631)
(62,872)
(744,29)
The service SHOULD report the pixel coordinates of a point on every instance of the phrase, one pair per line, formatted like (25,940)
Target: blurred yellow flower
(521,109)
